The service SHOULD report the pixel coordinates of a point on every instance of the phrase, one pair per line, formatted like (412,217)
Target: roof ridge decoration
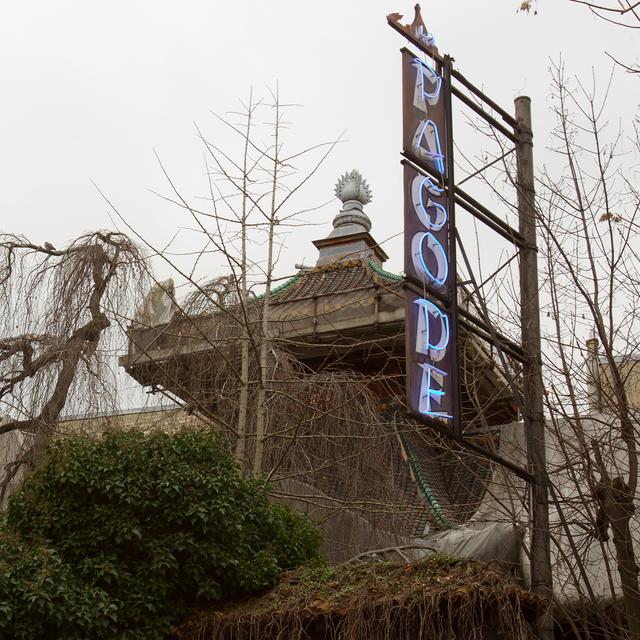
(387,275)
(434,506)
(281,287)
(337,266)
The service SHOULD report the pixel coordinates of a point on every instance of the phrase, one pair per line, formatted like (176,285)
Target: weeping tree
(56,308)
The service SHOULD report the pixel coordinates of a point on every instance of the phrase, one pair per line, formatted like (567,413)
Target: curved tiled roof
(333,278)
(452,482)
(281,287)
(415,464)
(447,480)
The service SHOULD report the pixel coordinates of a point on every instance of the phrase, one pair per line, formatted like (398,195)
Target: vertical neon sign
(431,356)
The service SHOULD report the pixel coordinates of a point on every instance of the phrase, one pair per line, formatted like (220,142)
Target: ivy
(119,538)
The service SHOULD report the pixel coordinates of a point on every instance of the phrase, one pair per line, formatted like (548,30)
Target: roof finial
(417,19)
(352,186)
(354,192)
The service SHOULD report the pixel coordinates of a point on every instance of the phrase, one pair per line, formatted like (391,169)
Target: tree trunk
(261,409)
(619,509)
(244,348)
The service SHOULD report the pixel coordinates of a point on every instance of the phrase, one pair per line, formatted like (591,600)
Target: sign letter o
(425,249)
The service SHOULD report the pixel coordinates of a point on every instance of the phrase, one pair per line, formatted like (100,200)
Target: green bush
(40,596)
(117,538)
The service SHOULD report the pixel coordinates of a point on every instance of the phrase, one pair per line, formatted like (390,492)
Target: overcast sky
(91,89)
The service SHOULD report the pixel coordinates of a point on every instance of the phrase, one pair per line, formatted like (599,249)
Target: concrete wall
(166,419)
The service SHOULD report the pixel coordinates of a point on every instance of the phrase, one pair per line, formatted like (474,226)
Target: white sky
(90,89)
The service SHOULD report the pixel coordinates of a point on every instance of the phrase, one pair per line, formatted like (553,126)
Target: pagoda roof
(450,479)
(338,304)
(333,278)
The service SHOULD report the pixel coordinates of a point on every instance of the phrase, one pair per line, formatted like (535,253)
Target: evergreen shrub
(119,537)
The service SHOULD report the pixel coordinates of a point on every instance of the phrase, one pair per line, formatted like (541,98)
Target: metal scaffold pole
(541,578)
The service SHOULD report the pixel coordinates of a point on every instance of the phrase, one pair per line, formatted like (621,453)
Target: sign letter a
(426,145)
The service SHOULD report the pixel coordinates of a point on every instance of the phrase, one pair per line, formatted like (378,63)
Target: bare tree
(261,409)
(587,206)
(244,292)
(56,306)
(622,13)
(319,435)
(589,232)
(250,202)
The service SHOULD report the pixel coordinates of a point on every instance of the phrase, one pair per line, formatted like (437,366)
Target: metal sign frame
(424,286)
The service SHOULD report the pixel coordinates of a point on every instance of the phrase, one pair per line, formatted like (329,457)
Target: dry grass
(440,598)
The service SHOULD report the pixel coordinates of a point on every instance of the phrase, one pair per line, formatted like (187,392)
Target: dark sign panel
(429,84)
(430,316)
(424,114)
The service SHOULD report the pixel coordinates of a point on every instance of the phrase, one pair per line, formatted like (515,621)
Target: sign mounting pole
(533,413)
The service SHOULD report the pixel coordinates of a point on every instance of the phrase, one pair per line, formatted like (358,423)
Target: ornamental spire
(417,28)
(350,238)
(352,186)
(354,192)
